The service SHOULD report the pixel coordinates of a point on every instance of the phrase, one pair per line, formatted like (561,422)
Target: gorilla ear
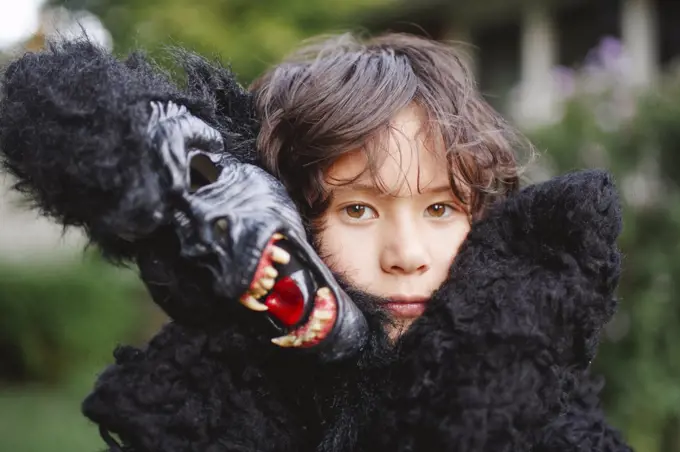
(202,171)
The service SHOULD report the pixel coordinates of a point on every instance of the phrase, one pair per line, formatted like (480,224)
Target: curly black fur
(195,389)
(506,339)
(581,425)
(499,361)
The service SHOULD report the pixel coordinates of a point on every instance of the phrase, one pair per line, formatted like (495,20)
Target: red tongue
(286,302)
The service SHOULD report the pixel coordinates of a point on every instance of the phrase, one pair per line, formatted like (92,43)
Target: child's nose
(404,254)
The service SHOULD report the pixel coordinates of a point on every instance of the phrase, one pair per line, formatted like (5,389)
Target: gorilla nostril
(219,228)
(202,172)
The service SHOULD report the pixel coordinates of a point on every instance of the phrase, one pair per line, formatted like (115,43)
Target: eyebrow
(372,188)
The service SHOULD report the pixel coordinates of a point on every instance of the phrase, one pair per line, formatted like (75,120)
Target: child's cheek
(348,250)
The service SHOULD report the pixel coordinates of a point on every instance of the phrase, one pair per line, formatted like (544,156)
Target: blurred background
(592,83)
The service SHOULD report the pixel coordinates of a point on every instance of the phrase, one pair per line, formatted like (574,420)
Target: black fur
(507,339)
(499,361)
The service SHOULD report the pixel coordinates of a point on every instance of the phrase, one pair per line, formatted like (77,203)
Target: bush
(56,320)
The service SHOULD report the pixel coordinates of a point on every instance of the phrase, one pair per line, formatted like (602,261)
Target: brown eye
(437,210)
(356,211)
(360,212)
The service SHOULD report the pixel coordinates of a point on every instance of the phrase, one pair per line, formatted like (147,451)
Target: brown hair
(339,94)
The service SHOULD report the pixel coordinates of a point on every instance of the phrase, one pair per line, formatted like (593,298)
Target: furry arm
(190,390)
(497,361)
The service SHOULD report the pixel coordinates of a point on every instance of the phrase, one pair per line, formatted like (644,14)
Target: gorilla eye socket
(202,172)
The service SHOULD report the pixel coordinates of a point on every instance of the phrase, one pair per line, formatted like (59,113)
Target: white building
(517,43)
(25,237)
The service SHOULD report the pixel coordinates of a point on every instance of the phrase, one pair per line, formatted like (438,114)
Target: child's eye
(439,210)
(360,212)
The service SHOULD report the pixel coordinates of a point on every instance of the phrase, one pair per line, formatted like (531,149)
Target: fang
(280,256)
(285,341)
(251,303)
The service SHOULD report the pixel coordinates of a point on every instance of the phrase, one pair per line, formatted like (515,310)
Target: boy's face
(394,235)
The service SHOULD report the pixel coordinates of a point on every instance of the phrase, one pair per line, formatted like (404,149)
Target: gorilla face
(237,221)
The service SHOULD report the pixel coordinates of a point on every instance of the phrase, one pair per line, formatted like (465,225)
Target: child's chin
(398,327)
(377,310)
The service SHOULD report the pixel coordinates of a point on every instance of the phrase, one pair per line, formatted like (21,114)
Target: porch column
(536,100)
(640,40)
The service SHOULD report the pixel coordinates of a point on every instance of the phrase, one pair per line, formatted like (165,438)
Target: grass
(61,324)
(36,419)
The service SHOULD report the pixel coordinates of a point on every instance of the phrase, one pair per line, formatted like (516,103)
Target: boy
(389,152)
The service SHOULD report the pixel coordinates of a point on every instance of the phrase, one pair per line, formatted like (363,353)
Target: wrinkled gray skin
(254,204)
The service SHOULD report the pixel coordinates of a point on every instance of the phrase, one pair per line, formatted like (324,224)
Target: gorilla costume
(165,177)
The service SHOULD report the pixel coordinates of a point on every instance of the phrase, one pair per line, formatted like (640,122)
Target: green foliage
(640,356)
(39,419)
(56,320)
(250,34)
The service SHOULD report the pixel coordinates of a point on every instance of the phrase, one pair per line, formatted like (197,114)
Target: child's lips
(407,307)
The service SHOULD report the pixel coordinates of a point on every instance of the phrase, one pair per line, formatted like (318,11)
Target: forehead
(407,159)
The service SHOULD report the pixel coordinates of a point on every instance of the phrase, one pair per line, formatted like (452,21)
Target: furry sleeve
(191,390)
(496,361)
(582,424)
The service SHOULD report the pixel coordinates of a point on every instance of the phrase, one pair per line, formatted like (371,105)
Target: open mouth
(287,289)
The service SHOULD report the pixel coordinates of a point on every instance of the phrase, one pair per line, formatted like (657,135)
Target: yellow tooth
(285,341)
(267,283)
(310,335)
(278,236)
(316,326)
(258,291)
(280,256)
(324,292)
(323,314)
(270,272)
(251,303)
